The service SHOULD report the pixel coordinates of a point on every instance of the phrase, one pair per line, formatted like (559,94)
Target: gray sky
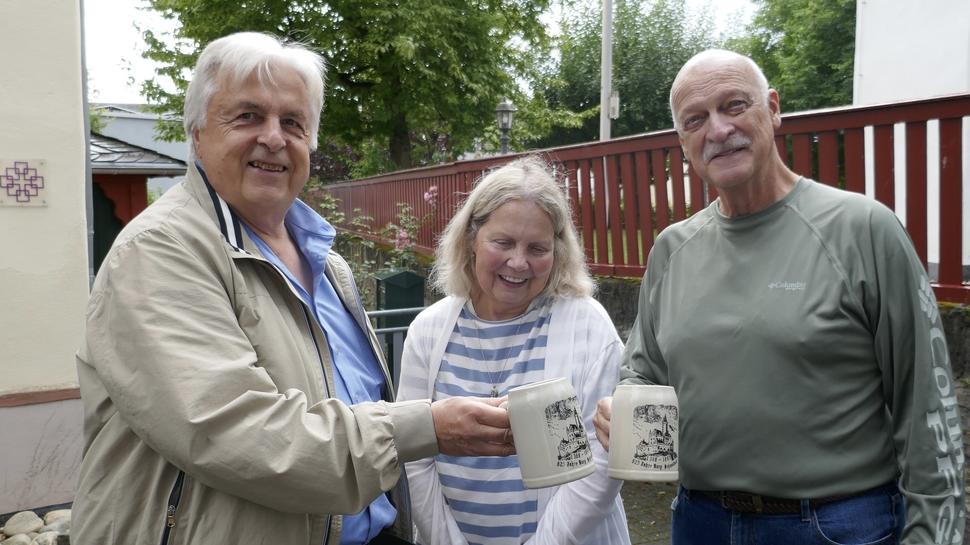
(113,49)
(113,46)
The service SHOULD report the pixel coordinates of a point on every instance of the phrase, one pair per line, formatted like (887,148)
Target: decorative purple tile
(22,182)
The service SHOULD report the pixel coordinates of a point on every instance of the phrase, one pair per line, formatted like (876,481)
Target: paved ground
(648,504)
(648,511)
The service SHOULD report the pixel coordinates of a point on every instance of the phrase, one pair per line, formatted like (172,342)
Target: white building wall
(41,454)
(909,50)
(43,249)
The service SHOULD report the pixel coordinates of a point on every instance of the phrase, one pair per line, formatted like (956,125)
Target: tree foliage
(652,39)
(413,81)
(806,48)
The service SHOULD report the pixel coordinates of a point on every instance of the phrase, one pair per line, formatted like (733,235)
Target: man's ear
(774,106)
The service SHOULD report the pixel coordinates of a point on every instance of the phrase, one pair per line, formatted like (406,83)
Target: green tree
(417,78)
(651,40)
(654,39)
(96,123)
(806,48)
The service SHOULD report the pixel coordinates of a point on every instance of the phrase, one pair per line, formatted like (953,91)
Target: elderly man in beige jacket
(234,391)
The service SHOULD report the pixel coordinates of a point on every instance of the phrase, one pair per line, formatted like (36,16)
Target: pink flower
(431,195)
(403,240)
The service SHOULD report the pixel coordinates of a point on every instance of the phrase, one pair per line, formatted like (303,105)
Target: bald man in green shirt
(799,329)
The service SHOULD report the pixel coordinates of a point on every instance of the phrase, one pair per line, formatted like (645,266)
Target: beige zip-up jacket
(209,408)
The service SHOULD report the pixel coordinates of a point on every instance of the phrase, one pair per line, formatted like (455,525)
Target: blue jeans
(874,517)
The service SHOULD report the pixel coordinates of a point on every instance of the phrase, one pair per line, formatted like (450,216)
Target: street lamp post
(606,70)
(503,113)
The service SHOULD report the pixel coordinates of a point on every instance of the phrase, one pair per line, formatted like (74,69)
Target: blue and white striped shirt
(486,494)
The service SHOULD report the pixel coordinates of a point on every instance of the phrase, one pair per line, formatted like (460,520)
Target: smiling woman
(527,181)
(513,258)
(519,311)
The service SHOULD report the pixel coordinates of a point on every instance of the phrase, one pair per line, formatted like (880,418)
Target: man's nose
(271,135)
(720,127)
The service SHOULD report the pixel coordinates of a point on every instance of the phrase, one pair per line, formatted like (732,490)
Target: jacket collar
(222,215)
(230,227)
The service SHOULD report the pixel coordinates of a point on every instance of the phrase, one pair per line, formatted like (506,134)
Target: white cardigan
(583,346)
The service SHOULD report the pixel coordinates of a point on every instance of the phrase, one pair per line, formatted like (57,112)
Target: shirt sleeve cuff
(414,434)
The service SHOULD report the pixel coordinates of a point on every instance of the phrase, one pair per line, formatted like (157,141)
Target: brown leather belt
(745,502)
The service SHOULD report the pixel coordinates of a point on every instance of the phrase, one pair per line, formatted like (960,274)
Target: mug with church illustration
(643,433)
(549,435)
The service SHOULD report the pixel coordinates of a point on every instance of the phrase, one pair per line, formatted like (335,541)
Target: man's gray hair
(231,59)
(725,56)
(528,179)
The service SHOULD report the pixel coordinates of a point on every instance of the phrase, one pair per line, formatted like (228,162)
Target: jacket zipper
(323,370)
(173,504)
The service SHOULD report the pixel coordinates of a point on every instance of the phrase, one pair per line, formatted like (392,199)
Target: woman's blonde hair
(528,179)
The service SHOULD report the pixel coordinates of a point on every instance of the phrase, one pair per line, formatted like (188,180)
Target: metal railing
(392,338)
(908,155)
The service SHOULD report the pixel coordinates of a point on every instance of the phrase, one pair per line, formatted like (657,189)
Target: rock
(58,514)
(61,526)
(46,538)
(19,539)
(22,523)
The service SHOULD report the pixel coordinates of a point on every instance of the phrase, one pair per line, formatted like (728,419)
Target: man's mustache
(733,142)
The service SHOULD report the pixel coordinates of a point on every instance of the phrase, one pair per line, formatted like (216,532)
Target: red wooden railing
(645,185)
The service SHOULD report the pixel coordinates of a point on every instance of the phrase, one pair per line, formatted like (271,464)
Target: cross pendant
(494,391)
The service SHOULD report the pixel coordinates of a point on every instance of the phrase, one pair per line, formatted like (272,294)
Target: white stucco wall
(41,454)
(43,250)
(909,50)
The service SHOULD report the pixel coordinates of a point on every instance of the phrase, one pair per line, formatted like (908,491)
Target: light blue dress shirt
(357,374)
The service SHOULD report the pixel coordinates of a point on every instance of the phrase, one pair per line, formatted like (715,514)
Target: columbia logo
(787,286)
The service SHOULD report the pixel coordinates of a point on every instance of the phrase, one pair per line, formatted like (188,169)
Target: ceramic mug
(644,441)
(549,435)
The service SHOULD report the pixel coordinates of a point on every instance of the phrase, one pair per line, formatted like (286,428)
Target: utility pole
(606,69)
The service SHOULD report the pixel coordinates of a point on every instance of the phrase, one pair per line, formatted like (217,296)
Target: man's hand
(468,426)
(604,413)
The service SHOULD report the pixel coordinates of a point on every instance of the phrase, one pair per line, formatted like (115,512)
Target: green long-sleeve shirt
(807,353)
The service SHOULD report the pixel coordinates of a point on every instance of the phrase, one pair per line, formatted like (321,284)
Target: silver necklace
(493,377)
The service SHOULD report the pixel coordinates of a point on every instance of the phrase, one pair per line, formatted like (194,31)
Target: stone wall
(956,325)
